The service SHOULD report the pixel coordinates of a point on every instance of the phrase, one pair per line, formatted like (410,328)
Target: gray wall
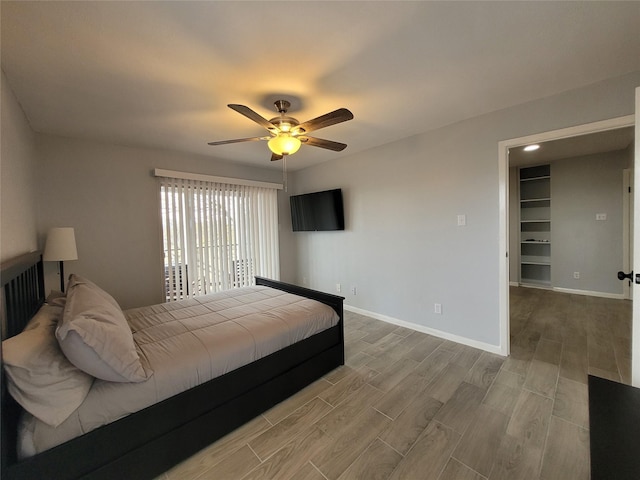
(18,192)
(402,247)
(108,194)
(580,188)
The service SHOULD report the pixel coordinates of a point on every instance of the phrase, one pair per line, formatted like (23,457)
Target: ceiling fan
(287,134)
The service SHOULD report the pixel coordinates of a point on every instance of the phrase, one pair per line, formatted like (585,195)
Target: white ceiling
(160,74)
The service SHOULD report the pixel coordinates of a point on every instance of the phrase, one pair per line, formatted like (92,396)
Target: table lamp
(60,246)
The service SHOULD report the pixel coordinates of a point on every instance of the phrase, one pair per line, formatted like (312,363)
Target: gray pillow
(95,336)
(40,377)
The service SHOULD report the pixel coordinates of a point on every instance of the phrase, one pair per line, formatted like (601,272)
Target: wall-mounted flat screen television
(317,211)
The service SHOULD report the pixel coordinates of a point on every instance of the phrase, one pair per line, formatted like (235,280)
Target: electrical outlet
(576,275)
(354,291)
(462,220)
(437,308)
(304,280)
(601,216)
(338,287)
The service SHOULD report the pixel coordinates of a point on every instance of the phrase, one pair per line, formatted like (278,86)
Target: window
(216,236)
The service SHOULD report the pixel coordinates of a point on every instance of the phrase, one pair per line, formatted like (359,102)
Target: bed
(150,441)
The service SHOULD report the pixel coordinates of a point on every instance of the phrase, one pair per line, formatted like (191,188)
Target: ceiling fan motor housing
(282,106)
(284,123)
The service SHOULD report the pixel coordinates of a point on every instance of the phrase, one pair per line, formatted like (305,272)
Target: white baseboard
(617,296)
(430,331)
(589,293)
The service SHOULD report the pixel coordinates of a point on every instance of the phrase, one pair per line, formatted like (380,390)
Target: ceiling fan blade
(326,120)
(250,114)
(320,142)
(275,156)
(238,140)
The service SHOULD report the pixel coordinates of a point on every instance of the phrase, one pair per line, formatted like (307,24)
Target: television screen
(317,211)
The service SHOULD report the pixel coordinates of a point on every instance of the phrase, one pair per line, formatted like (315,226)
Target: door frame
(627,229)
(503,203)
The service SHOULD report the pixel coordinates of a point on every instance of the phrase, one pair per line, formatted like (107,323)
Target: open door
(635,342)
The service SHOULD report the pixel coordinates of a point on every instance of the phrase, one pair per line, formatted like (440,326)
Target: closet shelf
(533,179)
(535,282)
(535,260)
(529,201)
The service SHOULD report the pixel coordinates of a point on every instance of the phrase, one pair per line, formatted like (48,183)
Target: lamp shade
(61,245)
(284,144)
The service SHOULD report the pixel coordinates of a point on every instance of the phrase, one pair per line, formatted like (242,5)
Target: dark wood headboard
(22,294)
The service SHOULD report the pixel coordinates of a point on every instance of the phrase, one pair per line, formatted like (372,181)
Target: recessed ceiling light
(531,148)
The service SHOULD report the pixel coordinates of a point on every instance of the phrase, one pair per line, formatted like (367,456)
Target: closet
(535,225)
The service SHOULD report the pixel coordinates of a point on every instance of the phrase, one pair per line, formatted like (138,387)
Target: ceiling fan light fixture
(284,144)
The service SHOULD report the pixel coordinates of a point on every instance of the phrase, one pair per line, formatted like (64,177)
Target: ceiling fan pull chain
(284,171)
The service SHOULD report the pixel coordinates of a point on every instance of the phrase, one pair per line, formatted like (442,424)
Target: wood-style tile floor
(411,406)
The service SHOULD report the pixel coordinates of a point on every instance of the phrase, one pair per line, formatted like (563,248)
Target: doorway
(504,148)
(582,182)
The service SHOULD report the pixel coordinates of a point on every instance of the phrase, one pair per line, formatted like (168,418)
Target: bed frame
(147,443)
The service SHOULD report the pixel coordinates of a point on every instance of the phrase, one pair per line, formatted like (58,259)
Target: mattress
(185,344)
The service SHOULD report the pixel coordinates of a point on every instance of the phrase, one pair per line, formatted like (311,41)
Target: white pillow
(95,336)
(40,377)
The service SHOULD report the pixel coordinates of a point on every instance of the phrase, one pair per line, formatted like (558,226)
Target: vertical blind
(217,236)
